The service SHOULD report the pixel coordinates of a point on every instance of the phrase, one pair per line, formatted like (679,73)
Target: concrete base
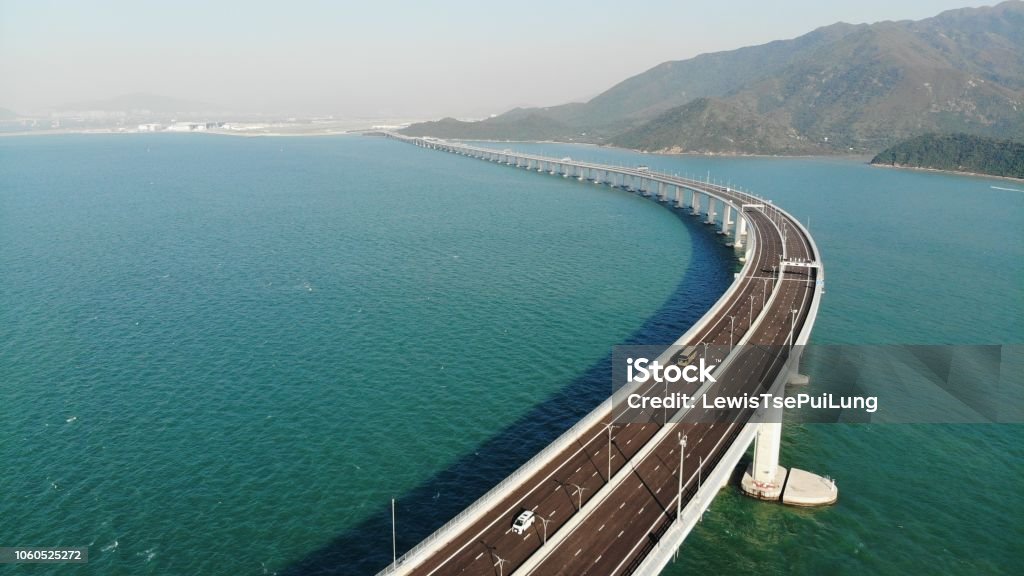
(771,491)
(807,489)
(798,379)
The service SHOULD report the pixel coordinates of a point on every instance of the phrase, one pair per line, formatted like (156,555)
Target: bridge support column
(711,210)
(695,203)
(739,230)
(726,219)
(764,478)
(679,197)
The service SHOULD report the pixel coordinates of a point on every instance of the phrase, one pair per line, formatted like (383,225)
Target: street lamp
(579,490)
(679,499)
(609,427)
(500,563)
(764,292)
(792,327)
(545,522)
(700,468)
(732,324)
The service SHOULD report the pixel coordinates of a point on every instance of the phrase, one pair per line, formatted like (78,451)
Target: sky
(383,58)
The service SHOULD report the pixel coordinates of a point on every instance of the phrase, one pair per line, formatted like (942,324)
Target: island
(957,153)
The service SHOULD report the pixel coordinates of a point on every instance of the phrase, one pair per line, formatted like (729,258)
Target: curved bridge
(617,494)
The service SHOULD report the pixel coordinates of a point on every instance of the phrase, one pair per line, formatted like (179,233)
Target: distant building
(194,126)
(150,127)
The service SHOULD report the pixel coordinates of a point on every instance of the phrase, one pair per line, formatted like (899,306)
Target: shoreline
(944,171)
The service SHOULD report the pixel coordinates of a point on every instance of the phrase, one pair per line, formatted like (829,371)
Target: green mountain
(839,88)
(711,125)
(958,152)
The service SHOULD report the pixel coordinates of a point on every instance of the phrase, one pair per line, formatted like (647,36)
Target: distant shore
(943,171)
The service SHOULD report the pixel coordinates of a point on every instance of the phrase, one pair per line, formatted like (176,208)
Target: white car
(523,521)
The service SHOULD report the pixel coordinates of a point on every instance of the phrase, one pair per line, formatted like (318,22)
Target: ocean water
(227,355)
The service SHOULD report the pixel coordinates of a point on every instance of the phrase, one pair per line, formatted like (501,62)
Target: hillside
(713,125)
(837,89)
(957,152)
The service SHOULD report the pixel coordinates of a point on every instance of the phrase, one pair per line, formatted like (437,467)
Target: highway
(613,535)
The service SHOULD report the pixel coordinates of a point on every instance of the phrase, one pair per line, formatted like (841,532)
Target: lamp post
(664,408)
(732,324)
(700,468)
(679,499)
(792,326)
(609,427)
(545,522)
(579,490)
(500,563)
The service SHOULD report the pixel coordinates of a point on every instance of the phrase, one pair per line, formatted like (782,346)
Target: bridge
(619,491)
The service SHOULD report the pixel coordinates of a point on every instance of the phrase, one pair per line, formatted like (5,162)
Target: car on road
(523,522)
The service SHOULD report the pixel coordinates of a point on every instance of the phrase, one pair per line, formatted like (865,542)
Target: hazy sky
(380,57)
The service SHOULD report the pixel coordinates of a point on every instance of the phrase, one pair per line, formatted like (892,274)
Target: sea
(225,355)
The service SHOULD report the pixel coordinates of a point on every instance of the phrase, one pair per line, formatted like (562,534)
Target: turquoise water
(226,355)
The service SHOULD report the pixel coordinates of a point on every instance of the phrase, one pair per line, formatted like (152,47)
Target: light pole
(764,292)
(700,467)
(664,406)
(792,326)
(679,499)
(609,427)
(579,490)
(732,324)
(500,563)
(545,522)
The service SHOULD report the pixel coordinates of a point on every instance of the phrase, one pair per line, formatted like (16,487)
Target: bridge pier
(741,233)
(679,197)
(695,203)
(726,220)
(711,210)
(764,479)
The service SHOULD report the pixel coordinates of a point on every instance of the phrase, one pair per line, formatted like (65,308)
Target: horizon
(181,54)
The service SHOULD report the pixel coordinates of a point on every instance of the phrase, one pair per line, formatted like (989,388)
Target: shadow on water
(366,548)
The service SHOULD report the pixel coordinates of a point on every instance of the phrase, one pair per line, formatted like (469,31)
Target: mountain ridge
(837,89)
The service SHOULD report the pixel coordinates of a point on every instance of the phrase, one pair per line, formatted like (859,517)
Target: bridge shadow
(366,547)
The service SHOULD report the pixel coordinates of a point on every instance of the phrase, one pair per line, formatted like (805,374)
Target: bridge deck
(615,535)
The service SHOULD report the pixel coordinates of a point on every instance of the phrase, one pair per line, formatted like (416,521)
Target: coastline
(944,171)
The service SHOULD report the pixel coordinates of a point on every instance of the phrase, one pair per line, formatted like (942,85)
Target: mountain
(530,126)
(140,102)
(712,125)
(839,88)
(957,152)
(6,114)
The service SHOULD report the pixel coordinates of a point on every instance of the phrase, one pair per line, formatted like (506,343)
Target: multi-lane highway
(588,525)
